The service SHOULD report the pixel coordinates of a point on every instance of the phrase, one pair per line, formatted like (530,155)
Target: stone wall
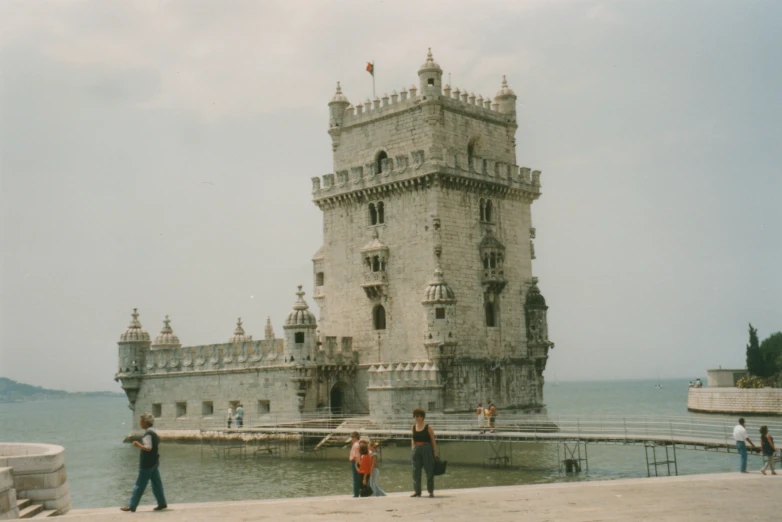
(763,401)
(8,509)
(38,472)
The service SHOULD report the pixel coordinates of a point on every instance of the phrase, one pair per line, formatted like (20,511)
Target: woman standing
(768,449)
(378,491)
(424,448)
(364,466)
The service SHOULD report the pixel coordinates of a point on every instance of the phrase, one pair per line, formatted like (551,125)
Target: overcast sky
(158,155)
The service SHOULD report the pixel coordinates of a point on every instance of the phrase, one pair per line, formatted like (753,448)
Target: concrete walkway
(728,496)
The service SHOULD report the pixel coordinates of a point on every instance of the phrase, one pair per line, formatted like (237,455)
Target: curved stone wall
(760,401)
(38,472)
(8,508)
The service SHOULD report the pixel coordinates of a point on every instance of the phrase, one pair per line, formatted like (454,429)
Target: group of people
(239,415)
(696,383)
(423,445)
(767,447)
(487,417)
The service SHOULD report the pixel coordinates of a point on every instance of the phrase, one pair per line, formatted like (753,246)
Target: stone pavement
(727,496)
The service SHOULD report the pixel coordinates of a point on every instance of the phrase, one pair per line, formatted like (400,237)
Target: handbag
(366,490)
(439,466)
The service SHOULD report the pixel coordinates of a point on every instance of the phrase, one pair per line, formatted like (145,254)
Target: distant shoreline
(12,391)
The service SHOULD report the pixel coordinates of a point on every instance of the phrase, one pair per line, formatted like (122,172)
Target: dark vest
(149,459)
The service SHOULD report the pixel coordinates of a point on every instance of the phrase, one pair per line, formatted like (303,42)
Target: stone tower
(133,347)
(426,182)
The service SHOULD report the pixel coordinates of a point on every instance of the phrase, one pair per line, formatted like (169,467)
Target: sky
(158,155)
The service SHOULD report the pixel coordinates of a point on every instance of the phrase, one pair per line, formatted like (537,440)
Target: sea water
(101,468)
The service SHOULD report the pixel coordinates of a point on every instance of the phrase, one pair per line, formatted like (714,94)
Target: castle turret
(538,343)
(440,308)
(167,337)
(300,326)
(133,349)
(505,100)
(239,336)
(337,107)
(430,77)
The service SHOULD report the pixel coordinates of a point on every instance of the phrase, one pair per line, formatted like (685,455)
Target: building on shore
(423,282)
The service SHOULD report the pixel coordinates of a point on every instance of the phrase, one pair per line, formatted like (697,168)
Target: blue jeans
(742,447)
(144,476)
(357,479)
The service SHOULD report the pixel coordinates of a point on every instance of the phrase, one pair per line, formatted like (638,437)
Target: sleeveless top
(422,436)
(765,445)
(149,459)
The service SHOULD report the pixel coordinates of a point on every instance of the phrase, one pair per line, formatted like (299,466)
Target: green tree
(756,363)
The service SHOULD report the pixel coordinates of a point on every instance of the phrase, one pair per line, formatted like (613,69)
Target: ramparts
(760,401)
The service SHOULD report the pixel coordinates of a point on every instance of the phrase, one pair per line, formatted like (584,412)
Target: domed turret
(438,290)
(506,99)
(167,337)
(134,333)
(301,315)
(299,329)
(430,77)
(337,106)
(239,336)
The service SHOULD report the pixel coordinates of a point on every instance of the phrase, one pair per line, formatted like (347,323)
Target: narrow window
(376,264)
(490,319)
(264,407)
(157,410)
(299,337)
(486,261)
(319,279)
(372,214)
(380,158)
(470,154)
(487,211)
(430,81)
(379,317)
(181,409)
(381,213)
(483,212)
(207,408)
(493,260)
(439,313)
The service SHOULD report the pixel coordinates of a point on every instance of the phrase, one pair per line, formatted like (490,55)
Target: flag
(371,68)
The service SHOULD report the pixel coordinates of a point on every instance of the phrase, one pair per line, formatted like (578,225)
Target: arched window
(487,211)
(486,261)
(483,209)
(376,264)
(299,337)
(490,315)
(379,317)
(319,279)
(380,157)
(372,214)
(493,260)
(381,213)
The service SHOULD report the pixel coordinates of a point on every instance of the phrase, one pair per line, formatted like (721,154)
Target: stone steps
(28,510)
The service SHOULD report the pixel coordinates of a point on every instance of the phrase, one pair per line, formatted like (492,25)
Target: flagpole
(373,80)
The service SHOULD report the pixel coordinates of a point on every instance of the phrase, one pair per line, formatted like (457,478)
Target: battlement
(403,167)
(389,105)
(232,356)
(411,374)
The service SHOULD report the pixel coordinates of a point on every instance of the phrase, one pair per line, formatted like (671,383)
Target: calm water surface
(101,469)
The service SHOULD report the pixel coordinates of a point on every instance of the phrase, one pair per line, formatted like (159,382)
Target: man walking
(148,466)
(355,455)
(741,438)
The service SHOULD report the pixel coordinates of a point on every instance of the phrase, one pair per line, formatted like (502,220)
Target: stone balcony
(375,284)
(493,280)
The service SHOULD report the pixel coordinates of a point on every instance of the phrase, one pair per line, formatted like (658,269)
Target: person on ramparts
(230,417)
(768,449)
(424,446)
(741,438)
(240,416)
(355,454)
(149,460)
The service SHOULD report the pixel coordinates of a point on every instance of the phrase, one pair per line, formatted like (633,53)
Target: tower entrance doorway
(337,399)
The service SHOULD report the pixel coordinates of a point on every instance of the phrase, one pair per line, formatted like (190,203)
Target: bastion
(423,281)
(35,472)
